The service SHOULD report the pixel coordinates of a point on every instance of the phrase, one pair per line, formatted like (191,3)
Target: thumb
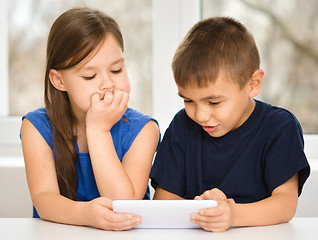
(198,198)
(105,202)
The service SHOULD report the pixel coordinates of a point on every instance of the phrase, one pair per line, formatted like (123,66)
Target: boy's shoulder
(276,115)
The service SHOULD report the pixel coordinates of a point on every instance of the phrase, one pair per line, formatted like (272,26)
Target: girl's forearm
(111,178)
(56,208)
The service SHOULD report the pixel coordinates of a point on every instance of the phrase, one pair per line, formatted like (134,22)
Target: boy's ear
(56,80)
(255,83)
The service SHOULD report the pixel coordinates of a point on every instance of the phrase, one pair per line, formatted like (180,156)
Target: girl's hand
(99,214)
(106,110)
(216,219)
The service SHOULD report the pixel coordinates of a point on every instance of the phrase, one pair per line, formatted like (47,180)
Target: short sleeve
(168,170)
(285,156)
(133,123)
(39,120)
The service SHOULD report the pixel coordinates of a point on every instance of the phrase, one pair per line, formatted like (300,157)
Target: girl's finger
(108,97)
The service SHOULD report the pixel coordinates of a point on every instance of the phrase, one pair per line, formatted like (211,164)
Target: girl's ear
(255,83)
(56,80)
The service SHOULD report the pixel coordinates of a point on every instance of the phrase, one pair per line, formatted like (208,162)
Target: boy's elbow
(289,214)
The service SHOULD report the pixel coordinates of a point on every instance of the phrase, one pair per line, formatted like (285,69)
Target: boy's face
(219,108)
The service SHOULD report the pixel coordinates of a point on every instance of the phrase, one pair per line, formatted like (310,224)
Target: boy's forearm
(273,210)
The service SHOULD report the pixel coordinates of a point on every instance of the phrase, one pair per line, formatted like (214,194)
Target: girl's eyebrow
(120,60)
(87,68)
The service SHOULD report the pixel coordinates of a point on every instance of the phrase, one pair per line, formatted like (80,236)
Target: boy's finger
(214,194)
(215,211)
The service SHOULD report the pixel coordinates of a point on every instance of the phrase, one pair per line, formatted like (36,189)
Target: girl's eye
(116,71)
(90,78)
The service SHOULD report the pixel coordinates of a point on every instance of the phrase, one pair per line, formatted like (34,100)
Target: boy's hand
(216,219)
(213,194)
(107,110)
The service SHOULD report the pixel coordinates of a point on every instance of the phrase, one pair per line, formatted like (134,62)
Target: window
(29,22)
(152,31)
(286,35)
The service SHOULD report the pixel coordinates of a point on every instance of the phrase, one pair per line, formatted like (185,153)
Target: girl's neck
(81,137)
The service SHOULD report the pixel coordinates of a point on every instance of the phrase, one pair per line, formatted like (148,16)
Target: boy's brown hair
(212,45)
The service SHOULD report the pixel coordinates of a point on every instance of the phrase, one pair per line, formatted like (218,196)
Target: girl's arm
(44,191)
(118,180)
(280,207)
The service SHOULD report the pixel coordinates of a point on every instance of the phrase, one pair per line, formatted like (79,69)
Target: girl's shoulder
(133,117)
(39,113)
(134,114)
(40,121)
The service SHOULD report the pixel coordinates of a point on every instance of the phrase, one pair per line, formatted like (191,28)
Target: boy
(226,146)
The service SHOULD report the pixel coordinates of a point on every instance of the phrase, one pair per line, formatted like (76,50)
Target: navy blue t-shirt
(247,164)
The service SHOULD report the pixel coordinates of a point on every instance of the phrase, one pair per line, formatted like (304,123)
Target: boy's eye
(214,103)
(90,78)
(187,101)
(116,71)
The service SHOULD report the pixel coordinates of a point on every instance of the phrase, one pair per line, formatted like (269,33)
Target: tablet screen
(163,213)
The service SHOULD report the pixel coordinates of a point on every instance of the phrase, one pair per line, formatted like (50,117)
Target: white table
(33,229)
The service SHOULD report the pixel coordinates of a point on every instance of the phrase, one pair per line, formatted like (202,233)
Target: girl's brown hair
(73,36)
(214,45)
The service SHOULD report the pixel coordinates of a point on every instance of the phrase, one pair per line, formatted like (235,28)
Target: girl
(86,147)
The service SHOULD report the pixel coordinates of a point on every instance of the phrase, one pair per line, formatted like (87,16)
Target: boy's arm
(161,194)
(280,207)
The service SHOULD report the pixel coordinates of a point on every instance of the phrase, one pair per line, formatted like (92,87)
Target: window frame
(171,20)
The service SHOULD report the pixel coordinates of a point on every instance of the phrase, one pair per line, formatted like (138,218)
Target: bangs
(212,46)
(79,49)
(195,73)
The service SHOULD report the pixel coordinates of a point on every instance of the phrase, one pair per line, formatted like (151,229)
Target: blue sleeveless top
(123,133)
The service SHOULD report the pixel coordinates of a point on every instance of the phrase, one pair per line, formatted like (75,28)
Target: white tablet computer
(163,213)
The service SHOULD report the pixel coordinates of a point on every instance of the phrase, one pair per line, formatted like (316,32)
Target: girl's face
(103,72)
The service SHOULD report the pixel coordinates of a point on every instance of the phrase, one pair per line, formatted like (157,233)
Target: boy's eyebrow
(202,99)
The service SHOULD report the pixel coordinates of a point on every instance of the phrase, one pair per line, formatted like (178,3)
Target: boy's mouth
(209,129)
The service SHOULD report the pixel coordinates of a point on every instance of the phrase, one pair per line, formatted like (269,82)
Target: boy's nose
(202,116)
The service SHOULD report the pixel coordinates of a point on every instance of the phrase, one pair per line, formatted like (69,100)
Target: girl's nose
(106,83)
